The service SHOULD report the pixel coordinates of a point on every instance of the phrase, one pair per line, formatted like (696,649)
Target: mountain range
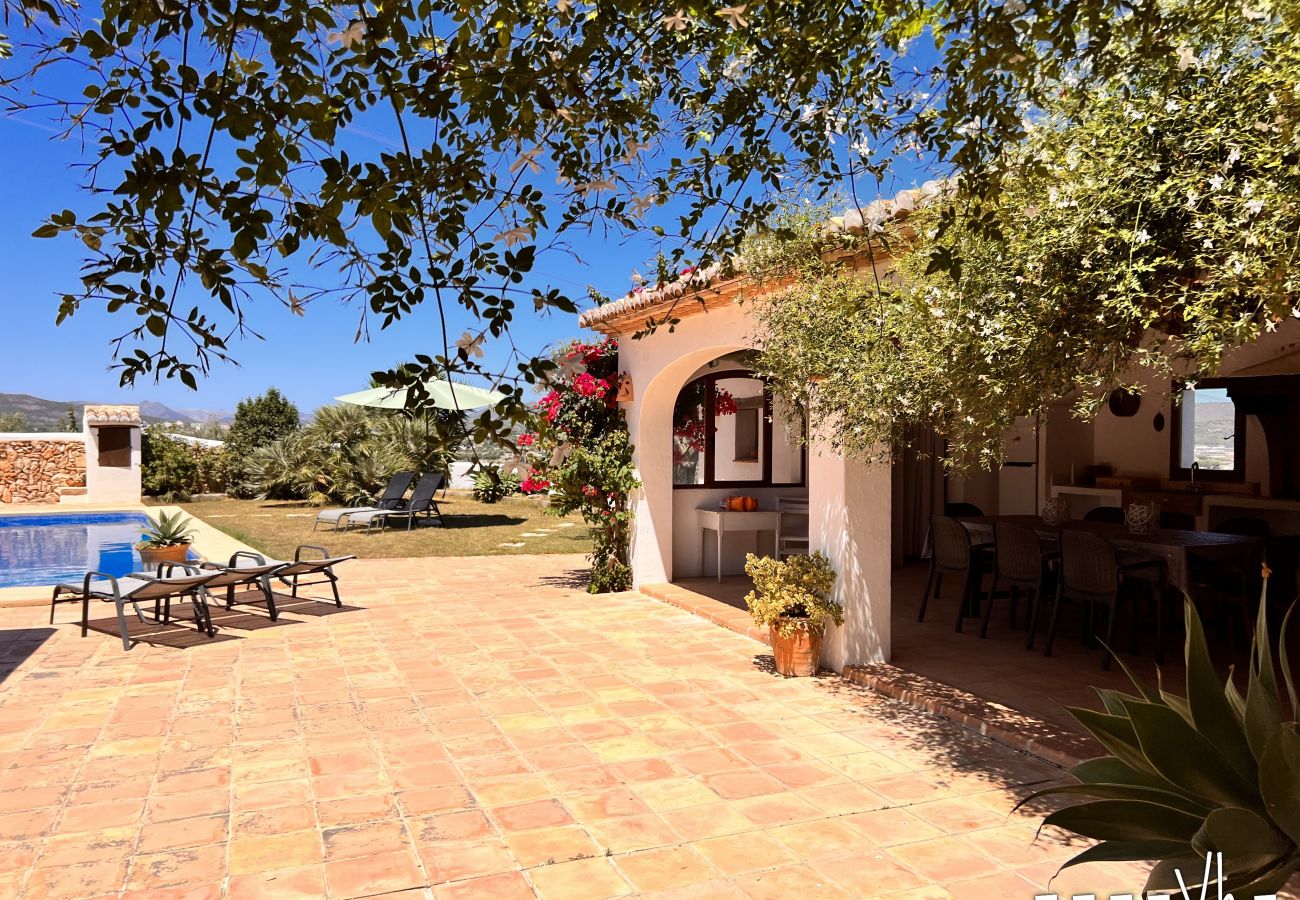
(51,415)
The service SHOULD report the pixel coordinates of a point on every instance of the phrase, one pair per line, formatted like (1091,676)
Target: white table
(720,521)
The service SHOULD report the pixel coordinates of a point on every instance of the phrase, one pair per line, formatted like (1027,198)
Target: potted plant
(792,598)
(167,539)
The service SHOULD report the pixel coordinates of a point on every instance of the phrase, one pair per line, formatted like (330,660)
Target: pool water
(56,547)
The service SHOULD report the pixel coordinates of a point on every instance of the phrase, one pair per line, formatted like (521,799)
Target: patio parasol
(443,393)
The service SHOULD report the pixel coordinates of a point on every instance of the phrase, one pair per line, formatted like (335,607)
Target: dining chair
(1092,575)
(1111,514)
(1019,564)
(956,555)
(1232,585)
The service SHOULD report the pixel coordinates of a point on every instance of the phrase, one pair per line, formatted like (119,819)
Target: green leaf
(1116,734)
(1263,705)
(1279,781)
(1211,712)
(1126,820)
(1246,840)
(1128,851)
(1185,758)
(46,231)
(1124,792)
(1164,877)
(1284,660)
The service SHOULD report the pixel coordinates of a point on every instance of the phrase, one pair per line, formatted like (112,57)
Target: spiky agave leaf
(1188,779)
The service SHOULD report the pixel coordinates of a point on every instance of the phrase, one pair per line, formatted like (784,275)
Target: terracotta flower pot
(797,654)
(152,556)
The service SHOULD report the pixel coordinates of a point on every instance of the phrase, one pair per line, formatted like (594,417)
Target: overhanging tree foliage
(1148,221)
(433,150)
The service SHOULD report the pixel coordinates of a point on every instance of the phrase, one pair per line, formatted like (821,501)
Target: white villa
(870,519)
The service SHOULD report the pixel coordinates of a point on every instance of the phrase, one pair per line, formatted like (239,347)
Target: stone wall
(33,469)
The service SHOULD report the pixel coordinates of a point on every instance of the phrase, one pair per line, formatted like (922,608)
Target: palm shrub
(1189,777)
(491,485)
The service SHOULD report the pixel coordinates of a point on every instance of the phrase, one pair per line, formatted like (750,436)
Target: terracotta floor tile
(459,861)
(212,891)
(68,882)
(710,820)
(551,845)
(674,793)
(163,836)
(355,810)
(370,839)
(275,820)
(506,886)
(187,806)
(607,804)
(789,881)
(944,859)
(191,865)
(632,833)
(993,887)
(819,837)
(578,880)
(744,783)
(738,853)
(435,800)
(889,827)
(265,853)
(30,824)
(465,825)
(665,869)
(872,874)
(535,814)
(776,809)
(97,816)
(307,883)
(375,874)
(277,793)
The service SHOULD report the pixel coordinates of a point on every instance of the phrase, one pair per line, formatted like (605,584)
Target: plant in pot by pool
(792,598)
(167,539)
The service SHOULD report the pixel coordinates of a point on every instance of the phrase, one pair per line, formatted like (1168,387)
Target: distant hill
(51,415)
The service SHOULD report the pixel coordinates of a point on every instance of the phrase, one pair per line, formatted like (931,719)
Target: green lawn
(471,529)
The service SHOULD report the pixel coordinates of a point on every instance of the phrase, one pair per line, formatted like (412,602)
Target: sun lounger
(392,498)
(292,572)
(254,573)
(420,504)
(137,589)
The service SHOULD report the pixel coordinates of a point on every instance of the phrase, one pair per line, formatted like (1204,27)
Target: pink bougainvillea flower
(526,440)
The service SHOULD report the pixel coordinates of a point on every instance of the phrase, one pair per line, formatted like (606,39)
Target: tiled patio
(483,728)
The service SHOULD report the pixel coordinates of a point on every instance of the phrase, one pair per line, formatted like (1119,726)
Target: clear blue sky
(310,358)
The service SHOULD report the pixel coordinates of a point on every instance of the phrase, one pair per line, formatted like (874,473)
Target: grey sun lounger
(137,589)
(292,572)
(255,572)
(420,504)
(392,498)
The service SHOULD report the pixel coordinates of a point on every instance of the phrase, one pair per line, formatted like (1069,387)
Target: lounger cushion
(337,515)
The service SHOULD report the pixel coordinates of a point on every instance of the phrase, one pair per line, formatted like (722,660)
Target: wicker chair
(1110,514)
(955,555)
(1092,575)
(1019,564)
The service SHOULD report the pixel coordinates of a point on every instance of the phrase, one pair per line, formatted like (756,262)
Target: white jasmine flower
(1187,58)
(735,16)
(1216,182)
(676,22)
(1142,236)
(1254,207)
(471,345)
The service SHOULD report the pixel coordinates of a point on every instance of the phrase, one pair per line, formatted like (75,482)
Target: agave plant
(168,530)
(1187,778)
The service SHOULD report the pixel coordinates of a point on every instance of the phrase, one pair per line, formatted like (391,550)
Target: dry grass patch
(470,529)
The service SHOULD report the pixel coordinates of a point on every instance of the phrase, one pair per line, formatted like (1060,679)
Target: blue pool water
(55,547)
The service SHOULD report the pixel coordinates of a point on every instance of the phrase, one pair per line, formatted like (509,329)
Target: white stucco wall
(111,484)
(851,522)
(850,502)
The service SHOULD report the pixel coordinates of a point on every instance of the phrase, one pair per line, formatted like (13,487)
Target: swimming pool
(49,548)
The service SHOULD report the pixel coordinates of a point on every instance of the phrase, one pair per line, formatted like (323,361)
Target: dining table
(1176,547)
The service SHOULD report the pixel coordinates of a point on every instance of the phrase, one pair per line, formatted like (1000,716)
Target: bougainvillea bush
(581,455)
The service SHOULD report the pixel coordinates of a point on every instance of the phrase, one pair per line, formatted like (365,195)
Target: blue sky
(310,358)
